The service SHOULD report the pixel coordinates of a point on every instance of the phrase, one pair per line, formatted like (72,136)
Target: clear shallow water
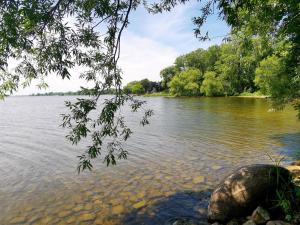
(191,144)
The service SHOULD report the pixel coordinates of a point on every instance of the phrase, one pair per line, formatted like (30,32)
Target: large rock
(249,222)
(242,191)
(260,215)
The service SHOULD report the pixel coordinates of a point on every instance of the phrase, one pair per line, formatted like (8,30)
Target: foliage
(269,75)
(142,87)
(232,65)
(158,94)
(167,74)
(134,87)
(245,64)
(286,198)
(195,59)
(186,83)
(254,94)
(212,85)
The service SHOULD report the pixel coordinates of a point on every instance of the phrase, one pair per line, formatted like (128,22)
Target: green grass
(256,94)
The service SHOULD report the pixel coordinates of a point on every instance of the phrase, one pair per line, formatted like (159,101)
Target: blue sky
(175,28)
(150,43)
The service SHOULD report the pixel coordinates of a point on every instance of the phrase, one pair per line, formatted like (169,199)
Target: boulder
(260,215)
(239,194)
(249,222)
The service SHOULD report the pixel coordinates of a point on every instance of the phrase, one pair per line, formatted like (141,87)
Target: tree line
(240,65)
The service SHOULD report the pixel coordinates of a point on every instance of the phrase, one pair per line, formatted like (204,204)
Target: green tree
(212,56)
(146,84)
(195,59)
(167,74)
(212,85)
(186,83)
(134,87)
(228,67)
(270,76)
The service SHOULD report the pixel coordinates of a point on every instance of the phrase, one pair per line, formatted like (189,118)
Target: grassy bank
(256,94)
(158,94)
(242,95)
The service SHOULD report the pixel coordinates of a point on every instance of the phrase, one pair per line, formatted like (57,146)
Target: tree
(142,87)
(167,74)
(195,59)
(270,76)
(135,87)
(186,83)
(146,85)
(212,56)
(212,85)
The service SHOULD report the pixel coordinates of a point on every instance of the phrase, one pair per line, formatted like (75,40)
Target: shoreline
(238,96)
(253,96)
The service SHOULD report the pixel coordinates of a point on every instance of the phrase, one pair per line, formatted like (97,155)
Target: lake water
(190,145)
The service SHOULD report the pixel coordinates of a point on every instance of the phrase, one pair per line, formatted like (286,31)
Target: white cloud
(140,58)
(176,28)
(144,58)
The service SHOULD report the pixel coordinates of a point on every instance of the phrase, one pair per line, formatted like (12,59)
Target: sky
(149,44)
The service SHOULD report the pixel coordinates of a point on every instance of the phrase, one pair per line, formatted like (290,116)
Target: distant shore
(243,95)
(155,94)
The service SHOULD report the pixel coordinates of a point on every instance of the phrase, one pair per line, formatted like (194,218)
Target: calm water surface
(191,144)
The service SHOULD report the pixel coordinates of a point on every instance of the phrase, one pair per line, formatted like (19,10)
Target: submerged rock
(242,191)
(63,214)
(18,220)
(118,209)
(86,217)
(198,179)
(260,215)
